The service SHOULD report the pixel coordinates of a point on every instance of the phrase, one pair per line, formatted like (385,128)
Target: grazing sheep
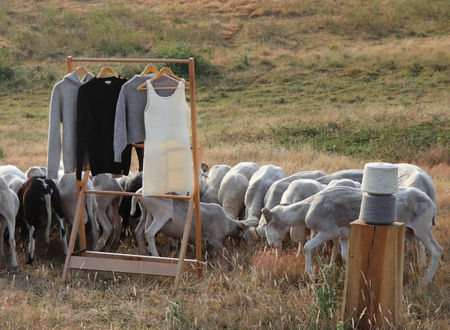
(9,206)
(353,174)
(274,194)
(273,198)
(329,213)
(413,176)
(13,176)
(68,194)
(297,191)
(36,171)
(215,177)
(169,217)
(259,183)
(234,186)
(108,209)
(132,184)
(38,195)
(342,183)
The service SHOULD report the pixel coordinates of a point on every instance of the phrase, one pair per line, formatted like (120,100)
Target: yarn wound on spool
(378,209)
(380,178)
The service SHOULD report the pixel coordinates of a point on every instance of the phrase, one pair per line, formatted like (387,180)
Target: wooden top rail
(127,60)
(124,193)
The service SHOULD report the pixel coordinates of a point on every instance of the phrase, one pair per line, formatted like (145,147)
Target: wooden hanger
(166,70)
(81,71)
(149,68)
(107,70)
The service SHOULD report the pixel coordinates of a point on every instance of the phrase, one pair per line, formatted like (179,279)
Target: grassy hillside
(302,84)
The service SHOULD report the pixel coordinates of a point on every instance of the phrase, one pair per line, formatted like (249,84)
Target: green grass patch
(391,142)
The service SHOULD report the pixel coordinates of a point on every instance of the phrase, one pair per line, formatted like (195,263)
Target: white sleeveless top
(167,147)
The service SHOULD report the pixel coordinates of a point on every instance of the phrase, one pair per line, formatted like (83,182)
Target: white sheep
(413,176)
(234,186)
(68,193)
(9,206)
(329,213)
(13,176)
(169,217)
(342,183)
(36,171)
(352,174)
(215,176)
(108,210)
(273,198)
(258,186)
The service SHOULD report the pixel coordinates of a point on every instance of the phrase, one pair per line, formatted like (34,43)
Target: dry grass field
(301,84)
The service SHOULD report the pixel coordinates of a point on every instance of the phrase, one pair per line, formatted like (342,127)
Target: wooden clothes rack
(128,263)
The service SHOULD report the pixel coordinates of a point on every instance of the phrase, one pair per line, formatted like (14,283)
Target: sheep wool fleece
(167,154)
(63,110)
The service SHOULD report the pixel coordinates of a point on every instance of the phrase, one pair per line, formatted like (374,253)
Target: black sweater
(96,110)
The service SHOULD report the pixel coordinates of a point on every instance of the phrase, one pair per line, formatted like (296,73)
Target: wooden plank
(109,255)
(123,193)
(123,266)
(184,241)
(373,279)
(128,60)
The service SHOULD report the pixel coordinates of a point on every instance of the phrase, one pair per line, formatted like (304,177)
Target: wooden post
(198,223)
(69,61)
(374,275)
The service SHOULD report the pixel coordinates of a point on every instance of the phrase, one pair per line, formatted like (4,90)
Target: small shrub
(328,292)
(182,51)
(175,314)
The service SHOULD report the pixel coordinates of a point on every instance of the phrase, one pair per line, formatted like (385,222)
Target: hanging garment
(63,111)
(167,149)
(97,101)
(129,122)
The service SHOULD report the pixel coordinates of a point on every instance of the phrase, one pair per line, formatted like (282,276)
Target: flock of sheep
(244,201)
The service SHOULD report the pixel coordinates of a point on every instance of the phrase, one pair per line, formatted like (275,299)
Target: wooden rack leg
(76,223)
(181,257)
(198,223)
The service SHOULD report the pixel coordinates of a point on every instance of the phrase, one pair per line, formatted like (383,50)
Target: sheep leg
(31,247)
(435,250)
(106,227)
(320,238)
(334,250)
(3,225)
(344,248)
(139,232)
(91,215)
(150,233)
(12,241)
(48,206)
(62,231)
(298,235)
(421,254)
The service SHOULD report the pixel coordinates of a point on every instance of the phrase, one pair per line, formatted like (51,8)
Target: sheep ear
(267,214)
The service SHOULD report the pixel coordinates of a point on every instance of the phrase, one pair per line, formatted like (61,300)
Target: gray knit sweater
(63,110)
(129,122)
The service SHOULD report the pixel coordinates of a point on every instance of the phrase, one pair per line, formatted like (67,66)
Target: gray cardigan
(63,110)
(129,121)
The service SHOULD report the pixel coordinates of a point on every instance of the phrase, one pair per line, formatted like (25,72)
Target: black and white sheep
(37,196)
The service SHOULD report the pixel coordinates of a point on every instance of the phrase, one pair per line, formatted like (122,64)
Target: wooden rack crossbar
(116,262)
